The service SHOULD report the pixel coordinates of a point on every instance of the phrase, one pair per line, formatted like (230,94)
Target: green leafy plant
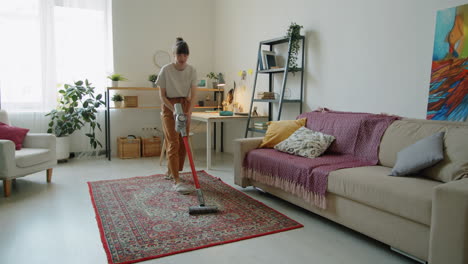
(152,78)
(117,77)
(294,32)
(212,76)
(117,98)
(76,107)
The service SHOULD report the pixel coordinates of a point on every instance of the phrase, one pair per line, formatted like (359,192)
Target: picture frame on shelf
(269,60)
(202,83)
(260,61)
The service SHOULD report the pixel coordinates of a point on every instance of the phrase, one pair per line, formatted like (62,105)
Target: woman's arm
(193,97)
(164,100)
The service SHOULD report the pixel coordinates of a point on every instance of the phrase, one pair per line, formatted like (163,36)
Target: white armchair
(38,153)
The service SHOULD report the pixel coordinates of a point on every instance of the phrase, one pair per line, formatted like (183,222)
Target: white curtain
(46,43)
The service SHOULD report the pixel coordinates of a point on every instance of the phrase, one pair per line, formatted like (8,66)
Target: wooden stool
(163,148)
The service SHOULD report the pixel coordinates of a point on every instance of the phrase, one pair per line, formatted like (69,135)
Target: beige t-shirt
(177,83)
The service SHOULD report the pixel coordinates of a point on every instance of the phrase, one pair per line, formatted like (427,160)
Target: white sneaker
(183,188)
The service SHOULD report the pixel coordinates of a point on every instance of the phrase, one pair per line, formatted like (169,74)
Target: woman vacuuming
(177,83)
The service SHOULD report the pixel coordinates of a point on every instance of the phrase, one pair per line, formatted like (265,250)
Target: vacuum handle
(180,120)
(192,166)
(178,109)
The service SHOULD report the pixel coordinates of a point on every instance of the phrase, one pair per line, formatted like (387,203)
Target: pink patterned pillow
(15,134)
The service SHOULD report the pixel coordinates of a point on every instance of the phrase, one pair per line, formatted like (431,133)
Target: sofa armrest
(241,147)
(39,140)
(449,224)
(7,158)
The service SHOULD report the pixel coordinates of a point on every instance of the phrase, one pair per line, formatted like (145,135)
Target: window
(46,43)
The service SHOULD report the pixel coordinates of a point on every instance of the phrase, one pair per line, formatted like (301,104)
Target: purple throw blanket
(357,142)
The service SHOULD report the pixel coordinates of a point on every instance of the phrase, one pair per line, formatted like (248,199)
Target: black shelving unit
(285,71)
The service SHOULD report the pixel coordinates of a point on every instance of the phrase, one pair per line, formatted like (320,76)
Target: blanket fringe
(314,198)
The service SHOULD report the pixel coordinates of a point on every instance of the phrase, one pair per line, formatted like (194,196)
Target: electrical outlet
(150,131)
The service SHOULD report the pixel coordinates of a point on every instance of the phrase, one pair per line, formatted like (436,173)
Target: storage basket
(131,101)
(151,147)
(128,148)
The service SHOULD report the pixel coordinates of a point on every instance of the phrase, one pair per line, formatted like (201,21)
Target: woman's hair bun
(180,47)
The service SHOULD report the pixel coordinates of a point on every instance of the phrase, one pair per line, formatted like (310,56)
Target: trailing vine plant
(294,32)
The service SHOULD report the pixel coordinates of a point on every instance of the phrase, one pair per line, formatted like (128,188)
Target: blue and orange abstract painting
(448,91)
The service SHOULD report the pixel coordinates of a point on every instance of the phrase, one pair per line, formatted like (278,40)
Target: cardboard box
(131,101)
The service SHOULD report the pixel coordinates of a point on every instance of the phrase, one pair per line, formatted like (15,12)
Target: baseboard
(408,255)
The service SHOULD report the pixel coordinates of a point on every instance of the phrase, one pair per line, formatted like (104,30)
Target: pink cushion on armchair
(15,134)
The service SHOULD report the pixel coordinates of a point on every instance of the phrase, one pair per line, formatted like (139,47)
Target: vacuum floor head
(208,209)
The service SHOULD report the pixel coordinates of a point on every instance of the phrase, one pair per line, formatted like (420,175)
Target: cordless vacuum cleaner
(180,126)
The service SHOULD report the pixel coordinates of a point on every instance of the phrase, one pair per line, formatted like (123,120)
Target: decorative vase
(118,104)
(115,83)
(63,148)
(215,85)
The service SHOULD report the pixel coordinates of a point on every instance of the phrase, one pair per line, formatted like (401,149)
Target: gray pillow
(422,154)
(306,143)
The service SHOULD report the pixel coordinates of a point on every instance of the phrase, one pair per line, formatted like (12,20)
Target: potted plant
(117,99)
(115,78)
(152,78)
(214,77)
(77,106)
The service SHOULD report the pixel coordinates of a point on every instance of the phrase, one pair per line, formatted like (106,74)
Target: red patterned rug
(141,218)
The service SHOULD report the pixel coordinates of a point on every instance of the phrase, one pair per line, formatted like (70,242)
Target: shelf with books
(268,63)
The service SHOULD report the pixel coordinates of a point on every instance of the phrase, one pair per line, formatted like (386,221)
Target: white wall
(362,55)
(142,27)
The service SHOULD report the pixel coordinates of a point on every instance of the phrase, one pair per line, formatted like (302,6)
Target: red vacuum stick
(181,127)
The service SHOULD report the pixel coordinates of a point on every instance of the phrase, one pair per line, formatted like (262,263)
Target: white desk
(210,118)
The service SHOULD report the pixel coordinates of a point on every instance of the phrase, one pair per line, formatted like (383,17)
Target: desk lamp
(221,83)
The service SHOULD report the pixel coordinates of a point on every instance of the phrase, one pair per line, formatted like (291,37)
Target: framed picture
(269,59)
(202,83)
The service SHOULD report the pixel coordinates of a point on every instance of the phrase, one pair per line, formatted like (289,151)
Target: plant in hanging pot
(117,99)
(115,78)
(152,78)
(294,32)
(77,107)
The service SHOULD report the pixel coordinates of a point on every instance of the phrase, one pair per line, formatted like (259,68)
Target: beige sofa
(424,218)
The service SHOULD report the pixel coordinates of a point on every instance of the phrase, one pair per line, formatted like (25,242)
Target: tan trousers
(175,149)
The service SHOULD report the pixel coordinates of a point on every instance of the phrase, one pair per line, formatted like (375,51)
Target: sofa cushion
(422,154)
(406,197)
(15,134)
(280,130)
(403,133)
(306,143)
(27,157)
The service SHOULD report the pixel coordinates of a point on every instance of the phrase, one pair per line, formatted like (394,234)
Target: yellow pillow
(280,130)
